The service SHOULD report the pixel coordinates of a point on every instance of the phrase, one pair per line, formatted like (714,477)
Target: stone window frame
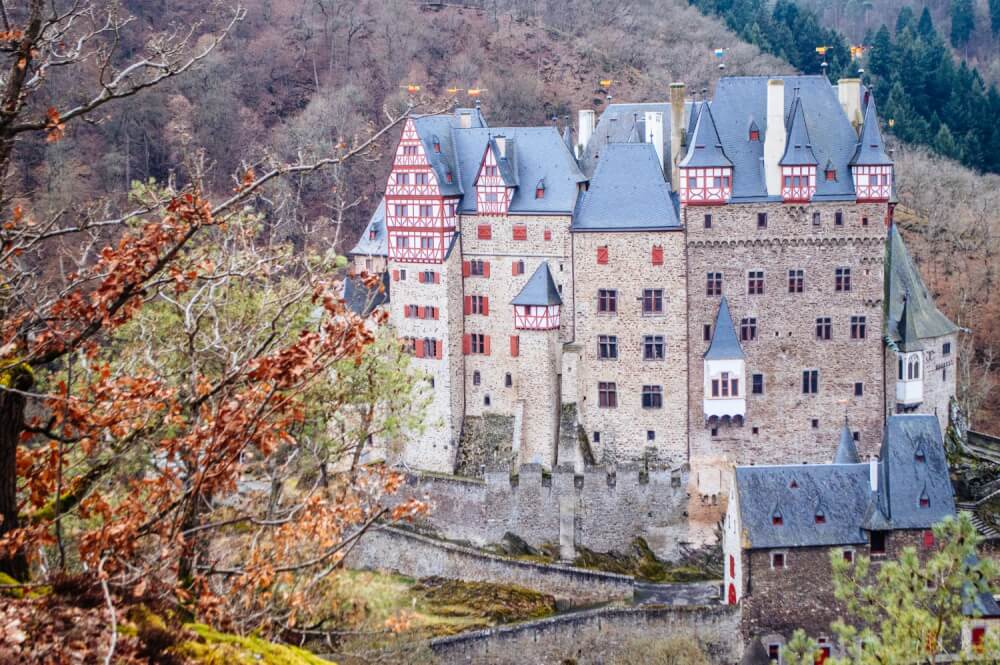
(652,302)
(655,395)
(607,302)
(761,220)
(838,218)
(755,282)
(842,279)
(848,554)
(796,280)
(607,394)
(753,384)
(824,328)
(508,380)
(713,284)
(708,220)
(859,327)
(477,378)
(810,381)
(784,559)
(777,658)
(748,329)
(611,342)
(651,344)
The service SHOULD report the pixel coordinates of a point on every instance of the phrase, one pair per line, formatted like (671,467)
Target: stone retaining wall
(594,637)
(414,555)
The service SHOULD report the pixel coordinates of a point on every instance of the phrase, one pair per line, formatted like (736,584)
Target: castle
(702,283)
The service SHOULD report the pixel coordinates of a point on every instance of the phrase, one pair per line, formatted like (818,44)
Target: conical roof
(871,149)
(912,314)
(540,289)
(798,145)
(847,452)
(725,345)
(705,146)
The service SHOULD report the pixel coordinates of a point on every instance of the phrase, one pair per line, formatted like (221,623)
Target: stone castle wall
(623,430)
(598,509)
(940,372)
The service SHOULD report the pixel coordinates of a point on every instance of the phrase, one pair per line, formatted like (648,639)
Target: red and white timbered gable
(419,220)
(492,193)
(706,186)
(536,317)
(798,183)
(872,183)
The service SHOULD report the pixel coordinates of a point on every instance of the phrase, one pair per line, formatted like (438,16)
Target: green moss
(215,648)
(12,591)
(641,563)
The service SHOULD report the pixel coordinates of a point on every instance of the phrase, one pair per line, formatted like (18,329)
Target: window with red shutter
(468,305)
(515,346)
(486,305)
(657,255)
(484,232)
(439,345)
(435,310)
(395,275)
(486,268)
(420,277)
(547,234)
(466,269)
(466,344)
(520,232)
(486,345)
(419,346)
(602,255)
(437,278)
(420,312)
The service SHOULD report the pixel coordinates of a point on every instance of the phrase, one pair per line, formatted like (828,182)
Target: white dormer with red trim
(871,167)
(497,177)
(706,174)
(798,164)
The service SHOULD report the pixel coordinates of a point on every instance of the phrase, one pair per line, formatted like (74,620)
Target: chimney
(654,133)
(501,145)
(774,141)
(873,472)
(465,120)
(586,130)
(676,131)
(849,94)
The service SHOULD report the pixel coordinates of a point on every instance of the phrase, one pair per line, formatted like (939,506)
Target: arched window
(732,594)
(913,367)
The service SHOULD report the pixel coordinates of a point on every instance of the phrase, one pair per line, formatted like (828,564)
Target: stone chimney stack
(849,94)
(501,145)
(654,133)
(676,131)
(774,141)
(873,472)
(586,130)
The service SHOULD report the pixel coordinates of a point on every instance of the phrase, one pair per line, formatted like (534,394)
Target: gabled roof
(725,345)
(847,452)
(705,147)
(540,289)
(627,193)
(905,478)
(506,160)
(362,300)
(798,144)
(379,245)
(921,318)
(442,128)
(871,149)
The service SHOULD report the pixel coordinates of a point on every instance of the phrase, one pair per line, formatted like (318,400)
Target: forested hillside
(307,76)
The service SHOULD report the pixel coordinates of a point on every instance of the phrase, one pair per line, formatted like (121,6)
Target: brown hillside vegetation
(302,76)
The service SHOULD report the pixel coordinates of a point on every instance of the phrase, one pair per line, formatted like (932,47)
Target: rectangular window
(842,279)
(717,182)
(426,242)
(796,281)
(849,556)
(602,255)
(816,219)
(402,178)
(773,652)
(607,347)
(520,232)
(708,221)
(489,170)
(692,182)
(479,304)
(748,329)
(479,344)
(484,232)
(713,284)
(707,332)
(652,301)
(878,542)
(810,381)
(477,268)
(864,221)
(761,220)
(755,282)
(517,268)
(427,277)
(547,234)
(946,348)
(859,327)
(652,347)
(758,384)
(607,301)
(824,328)
(422,178)
(426,211)
(652,397)
(777,560)
(402,242)
(607,395)
(859,389)
(838,218)
(410,150)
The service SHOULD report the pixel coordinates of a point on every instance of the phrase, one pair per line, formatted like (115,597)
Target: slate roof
(798,144)
(627,193)
(704,146)
(739,99)
(540,289)
(922,317)
(618,121)
(379,246)
(871,149)
(843,492)
(442,128)
(360,299)
(725,345)
(847,452)
(506,160)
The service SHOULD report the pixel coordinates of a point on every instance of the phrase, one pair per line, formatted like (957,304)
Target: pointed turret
(705,146)
(725,345)
(847,452)
(536,307)
(798,146)
(871,149)
(706,173)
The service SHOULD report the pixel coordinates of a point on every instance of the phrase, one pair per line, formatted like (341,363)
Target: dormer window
(820,518)
(776,518)
(919,455)
(436,145)
(794,485)
(540,189)
(372,234)
(925,501)
(831,174)
(755,135)
(448,177)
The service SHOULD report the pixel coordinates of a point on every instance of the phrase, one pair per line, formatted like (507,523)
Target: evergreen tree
(925,27)
(963,22)
(945,143)
(881,56)
(995,17)
(907,19)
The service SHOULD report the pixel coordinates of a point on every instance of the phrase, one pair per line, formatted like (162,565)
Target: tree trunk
(11,426)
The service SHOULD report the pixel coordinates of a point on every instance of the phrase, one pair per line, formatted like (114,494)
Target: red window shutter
(486,268)
(548,234)
(468,305)
(520,232)
(420,312)
(395,275)
(731,596)
(486,305)
(486,345)
(657,255)
(732,566)
(602,255)
(435,311)
(466,344)
(437,278)
(513,269)
(928,539)
(466,269)
(419,348)
(440,344)
(484,232)
(515,346)
(420,277)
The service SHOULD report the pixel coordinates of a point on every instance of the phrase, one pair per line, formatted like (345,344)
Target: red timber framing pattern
(798,183)
(536,317)
(872,183)
(492,194)
(706,186)
(419,220)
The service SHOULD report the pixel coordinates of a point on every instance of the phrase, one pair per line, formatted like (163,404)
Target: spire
(705,147)
(540,289)
(798,147)
(871,148)
(725,345)
(907,322)
(847,452)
